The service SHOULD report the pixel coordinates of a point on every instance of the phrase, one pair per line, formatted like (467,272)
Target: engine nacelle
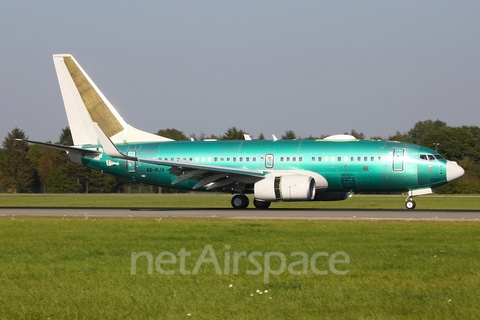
(331,196)
(286,188)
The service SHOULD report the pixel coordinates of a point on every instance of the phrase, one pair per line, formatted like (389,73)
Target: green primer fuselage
(358,166)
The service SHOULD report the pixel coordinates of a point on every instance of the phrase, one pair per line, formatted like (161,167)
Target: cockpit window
(431,157)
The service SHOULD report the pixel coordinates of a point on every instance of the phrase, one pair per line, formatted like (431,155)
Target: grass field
(63,268)
(208,200)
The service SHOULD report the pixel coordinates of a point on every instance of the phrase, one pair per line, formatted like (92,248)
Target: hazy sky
(314,67)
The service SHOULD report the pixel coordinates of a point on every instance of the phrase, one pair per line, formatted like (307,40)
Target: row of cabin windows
(292,159)
(282,159)
(218,159)
(346,159)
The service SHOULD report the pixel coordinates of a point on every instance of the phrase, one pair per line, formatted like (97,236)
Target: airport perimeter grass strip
(81,268)
(208,200)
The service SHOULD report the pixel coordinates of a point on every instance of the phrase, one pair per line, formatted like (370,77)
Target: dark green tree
(261,137)
(172,133)
(421,128)
(358,135)
(17,173)
(233,134)
(289,135)
(454,143)
(59,175)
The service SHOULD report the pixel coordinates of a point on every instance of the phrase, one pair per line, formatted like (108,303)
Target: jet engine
(286,188)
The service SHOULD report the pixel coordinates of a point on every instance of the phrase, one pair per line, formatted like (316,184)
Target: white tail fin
(85,104)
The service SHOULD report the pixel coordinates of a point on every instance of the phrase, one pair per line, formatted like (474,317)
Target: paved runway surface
(300,214)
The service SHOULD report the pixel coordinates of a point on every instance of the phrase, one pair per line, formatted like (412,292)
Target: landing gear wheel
(240,201)
(410,204)
(261,204)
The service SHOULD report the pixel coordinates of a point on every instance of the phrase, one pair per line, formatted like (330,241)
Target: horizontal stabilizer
(64,148)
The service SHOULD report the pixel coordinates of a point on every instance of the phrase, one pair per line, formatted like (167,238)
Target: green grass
(64,268)
(208,200)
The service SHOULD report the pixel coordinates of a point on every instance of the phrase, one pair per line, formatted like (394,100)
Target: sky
(313,67)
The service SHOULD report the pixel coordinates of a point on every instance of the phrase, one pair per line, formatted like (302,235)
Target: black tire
(410,205)
(261,204)
(240,201)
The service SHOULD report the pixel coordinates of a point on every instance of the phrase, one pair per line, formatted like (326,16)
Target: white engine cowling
(286,188)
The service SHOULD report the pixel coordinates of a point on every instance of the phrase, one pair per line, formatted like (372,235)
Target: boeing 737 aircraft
(280,170)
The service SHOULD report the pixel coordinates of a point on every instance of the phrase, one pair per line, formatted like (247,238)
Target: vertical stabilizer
(85,104)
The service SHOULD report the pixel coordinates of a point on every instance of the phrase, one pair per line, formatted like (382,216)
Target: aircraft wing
(208,176)
(187,165)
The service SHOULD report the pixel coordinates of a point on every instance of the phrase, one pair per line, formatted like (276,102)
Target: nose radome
(454,171)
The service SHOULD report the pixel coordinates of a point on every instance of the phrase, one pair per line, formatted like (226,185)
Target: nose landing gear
(409,203)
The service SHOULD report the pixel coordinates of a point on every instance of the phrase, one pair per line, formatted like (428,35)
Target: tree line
(28,168)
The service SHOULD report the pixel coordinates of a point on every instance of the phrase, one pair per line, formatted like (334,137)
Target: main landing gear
(240,201)
(409,203)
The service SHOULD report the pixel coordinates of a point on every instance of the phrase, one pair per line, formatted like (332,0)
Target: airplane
(329,169)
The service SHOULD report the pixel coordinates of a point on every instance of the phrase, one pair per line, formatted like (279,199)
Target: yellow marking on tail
(98,110)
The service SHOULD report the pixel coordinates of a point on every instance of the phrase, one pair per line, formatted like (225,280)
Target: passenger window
(313,159)
(294,159)
(339,159)
(319,159)
(359,158)
(352,159)
(372,159)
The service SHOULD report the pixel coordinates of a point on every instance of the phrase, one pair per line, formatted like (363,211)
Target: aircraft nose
(454,171)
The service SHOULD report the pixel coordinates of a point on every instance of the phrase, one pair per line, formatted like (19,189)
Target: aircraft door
(131,165)
(269,161)
(398,159)
(394,169)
